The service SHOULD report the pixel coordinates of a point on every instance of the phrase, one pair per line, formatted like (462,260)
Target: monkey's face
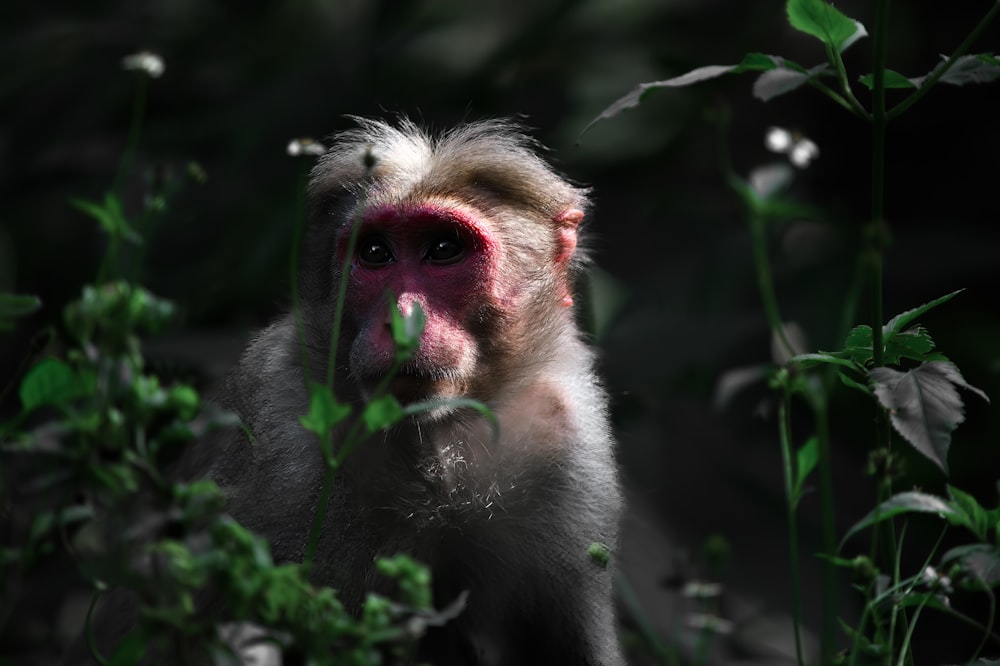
(439,255)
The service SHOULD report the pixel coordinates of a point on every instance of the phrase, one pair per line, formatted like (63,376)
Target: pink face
(439,256)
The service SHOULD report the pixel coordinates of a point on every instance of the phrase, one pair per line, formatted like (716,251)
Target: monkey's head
(472,226)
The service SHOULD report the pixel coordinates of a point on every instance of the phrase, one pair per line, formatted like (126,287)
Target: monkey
(476,229)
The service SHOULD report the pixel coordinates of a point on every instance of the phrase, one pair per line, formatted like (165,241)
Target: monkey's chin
(410,389)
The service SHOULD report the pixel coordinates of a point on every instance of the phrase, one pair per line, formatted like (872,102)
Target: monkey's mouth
(414,383)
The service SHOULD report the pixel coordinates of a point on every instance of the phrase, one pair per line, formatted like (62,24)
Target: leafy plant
(895,363)
(85,486)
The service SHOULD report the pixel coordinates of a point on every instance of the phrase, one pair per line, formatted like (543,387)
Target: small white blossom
(144,61)
(801,151)
(934,580)
(305,146)
(697,589)
(713,623)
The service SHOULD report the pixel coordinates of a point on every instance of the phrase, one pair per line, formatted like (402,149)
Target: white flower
(305,146)
(696,589)
(799,149)
(708,622)
(144,61)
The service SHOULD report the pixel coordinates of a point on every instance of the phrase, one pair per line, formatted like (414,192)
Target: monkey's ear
(567,222)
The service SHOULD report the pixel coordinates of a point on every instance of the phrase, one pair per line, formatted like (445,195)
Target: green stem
(765,283)
(338,315)
(319,516)
(828,627)
(989,622)
(791,504)
(879,122)
(95,652)
(833,94)
(135,126)
(883,440)
(905,653)
(644,627)
(833,55)
(936,75)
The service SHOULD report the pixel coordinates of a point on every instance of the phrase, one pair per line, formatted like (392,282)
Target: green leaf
(406,329)
(382,413)
(110,216)
(906,502)
(324,410)
(806,459)
(53,382)
(130,650)
(185,400)
(451,404)
(923,405)
(756,62)
(979,562)
(814,359)
(914,344)
(972,514)
(599,554)
(971,68)
(892,80)
(904,319)
(785,79)
(824,22)
(13,306)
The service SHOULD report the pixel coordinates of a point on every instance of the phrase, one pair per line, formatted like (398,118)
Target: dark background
(675,303)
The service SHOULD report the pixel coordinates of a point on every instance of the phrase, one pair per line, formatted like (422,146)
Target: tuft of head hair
(491,159)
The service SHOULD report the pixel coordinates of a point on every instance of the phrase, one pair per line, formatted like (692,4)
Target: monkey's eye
(446,250)
(374,252)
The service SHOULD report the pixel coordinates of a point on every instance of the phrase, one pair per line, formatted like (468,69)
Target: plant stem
(879,122)
(338,315)
(765,284)
(941,70)
(135,125)
(828,627)
(818,403)
(791,504)
(833,55)
(319,516)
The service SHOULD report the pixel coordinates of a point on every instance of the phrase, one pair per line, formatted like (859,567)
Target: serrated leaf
(923,405)
(974,516)
(979,561)
(324,410)
(859,336)
(382,413)
(971,68)
(892,80)
(756,62)
(784,79)
(53,382)
(900,503)
(913,344)
(824,22)
(904,319)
